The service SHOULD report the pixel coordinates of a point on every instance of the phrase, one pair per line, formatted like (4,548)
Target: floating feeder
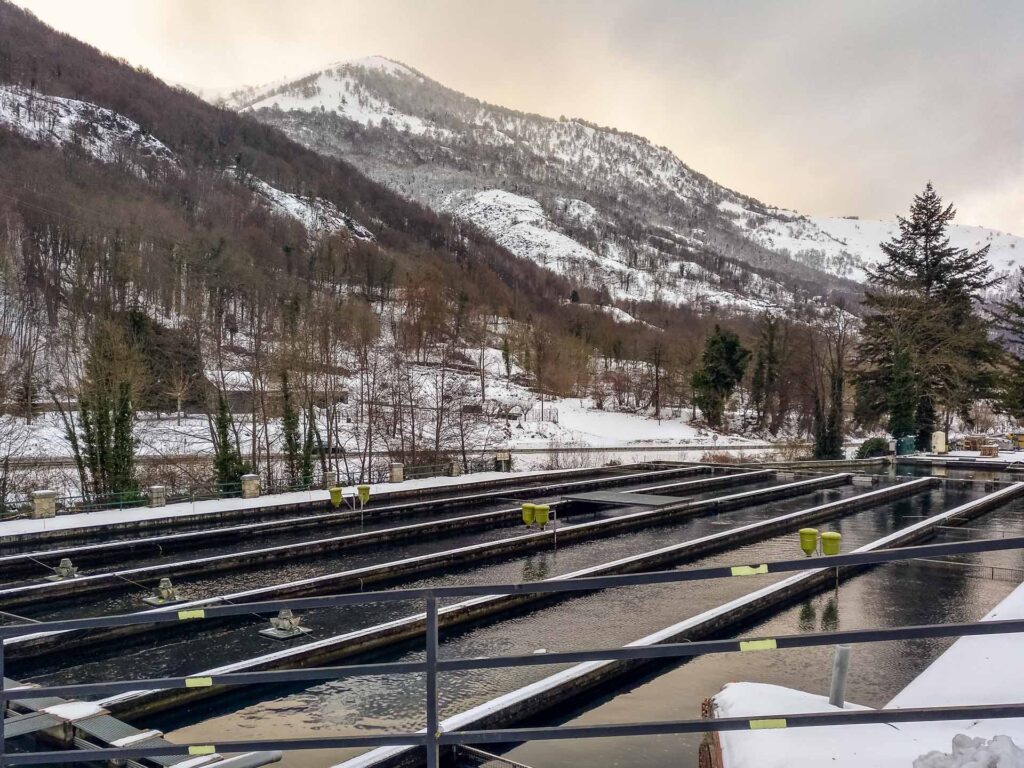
(165,593)
(64,570)
(809,540)
(830,541)
(285,626)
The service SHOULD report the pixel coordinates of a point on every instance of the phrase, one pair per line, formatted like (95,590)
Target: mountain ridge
(438,146)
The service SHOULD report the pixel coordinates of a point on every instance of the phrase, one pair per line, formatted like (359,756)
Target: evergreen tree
(107,413)
(1010,322)
(122,470)
(922,332)
(901,396)
(722,367)
(227,460)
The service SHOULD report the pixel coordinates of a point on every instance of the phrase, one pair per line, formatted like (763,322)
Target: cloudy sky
(824,106)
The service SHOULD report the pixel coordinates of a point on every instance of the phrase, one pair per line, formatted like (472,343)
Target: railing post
(433,729)
(3,704)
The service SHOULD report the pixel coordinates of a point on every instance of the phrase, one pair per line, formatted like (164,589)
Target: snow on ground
(579,423)
(973,671)
(104,134)
(317,215)
(619,315)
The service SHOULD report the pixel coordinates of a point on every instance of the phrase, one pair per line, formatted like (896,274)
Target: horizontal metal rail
(432,666)
(645,652)
(537,587)
(515,735)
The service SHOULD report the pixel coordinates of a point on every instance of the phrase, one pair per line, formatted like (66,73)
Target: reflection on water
(883,597)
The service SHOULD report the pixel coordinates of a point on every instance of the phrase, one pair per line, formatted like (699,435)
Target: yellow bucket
(809,540)
(830,541)
(336,497)
(364,493)
(542,511)
(529,513)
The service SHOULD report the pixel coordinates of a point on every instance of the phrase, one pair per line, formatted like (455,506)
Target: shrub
(872,447)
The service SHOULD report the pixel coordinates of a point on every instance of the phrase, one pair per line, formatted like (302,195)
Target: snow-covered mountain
(616,214)
(110,137)
(846,246)
(621,218)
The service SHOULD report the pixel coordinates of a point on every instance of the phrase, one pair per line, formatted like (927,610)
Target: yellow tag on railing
(760,725)
(198,613)
(198,682)
(202,749)
(758,645)
(749,570)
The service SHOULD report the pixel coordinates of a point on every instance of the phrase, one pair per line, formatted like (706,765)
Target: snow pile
(105,135)
(999,752)
(974,671)
(317,215)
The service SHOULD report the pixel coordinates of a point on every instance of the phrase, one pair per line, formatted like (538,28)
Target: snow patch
(105,135)
(999,752)
(521,225)
(317,215)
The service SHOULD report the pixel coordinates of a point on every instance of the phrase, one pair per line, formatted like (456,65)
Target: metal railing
(433,738)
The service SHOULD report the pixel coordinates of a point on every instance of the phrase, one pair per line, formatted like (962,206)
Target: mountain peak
(376,62)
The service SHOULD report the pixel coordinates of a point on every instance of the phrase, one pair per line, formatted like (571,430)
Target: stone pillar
(397,472)
(330,478)
(44,504)
(158,495)
(454,469)
(250,486)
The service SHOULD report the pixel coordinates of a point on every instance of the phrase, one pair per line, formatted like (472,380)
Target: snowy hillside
(319,216)
(607,209)
(614,213)
(107,136)
(845,246)
(110,137)
(520,224)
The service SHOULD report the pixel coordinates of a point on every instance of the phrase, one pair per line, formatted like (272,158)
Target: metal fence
(432,739)
(18,506)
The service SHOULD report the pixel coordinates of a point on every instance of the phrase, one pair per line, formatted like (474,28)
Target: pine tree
(722,367)
(1010,323)
(922,331)
(901,396)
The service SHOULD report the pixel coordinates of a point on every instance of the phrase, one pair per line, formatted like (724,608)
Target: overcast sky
(827,107)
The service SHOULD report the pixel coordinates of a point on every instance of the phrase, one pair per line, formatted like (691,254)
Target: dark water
(221,645)
(157,555)
(884,597)
(287,570)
